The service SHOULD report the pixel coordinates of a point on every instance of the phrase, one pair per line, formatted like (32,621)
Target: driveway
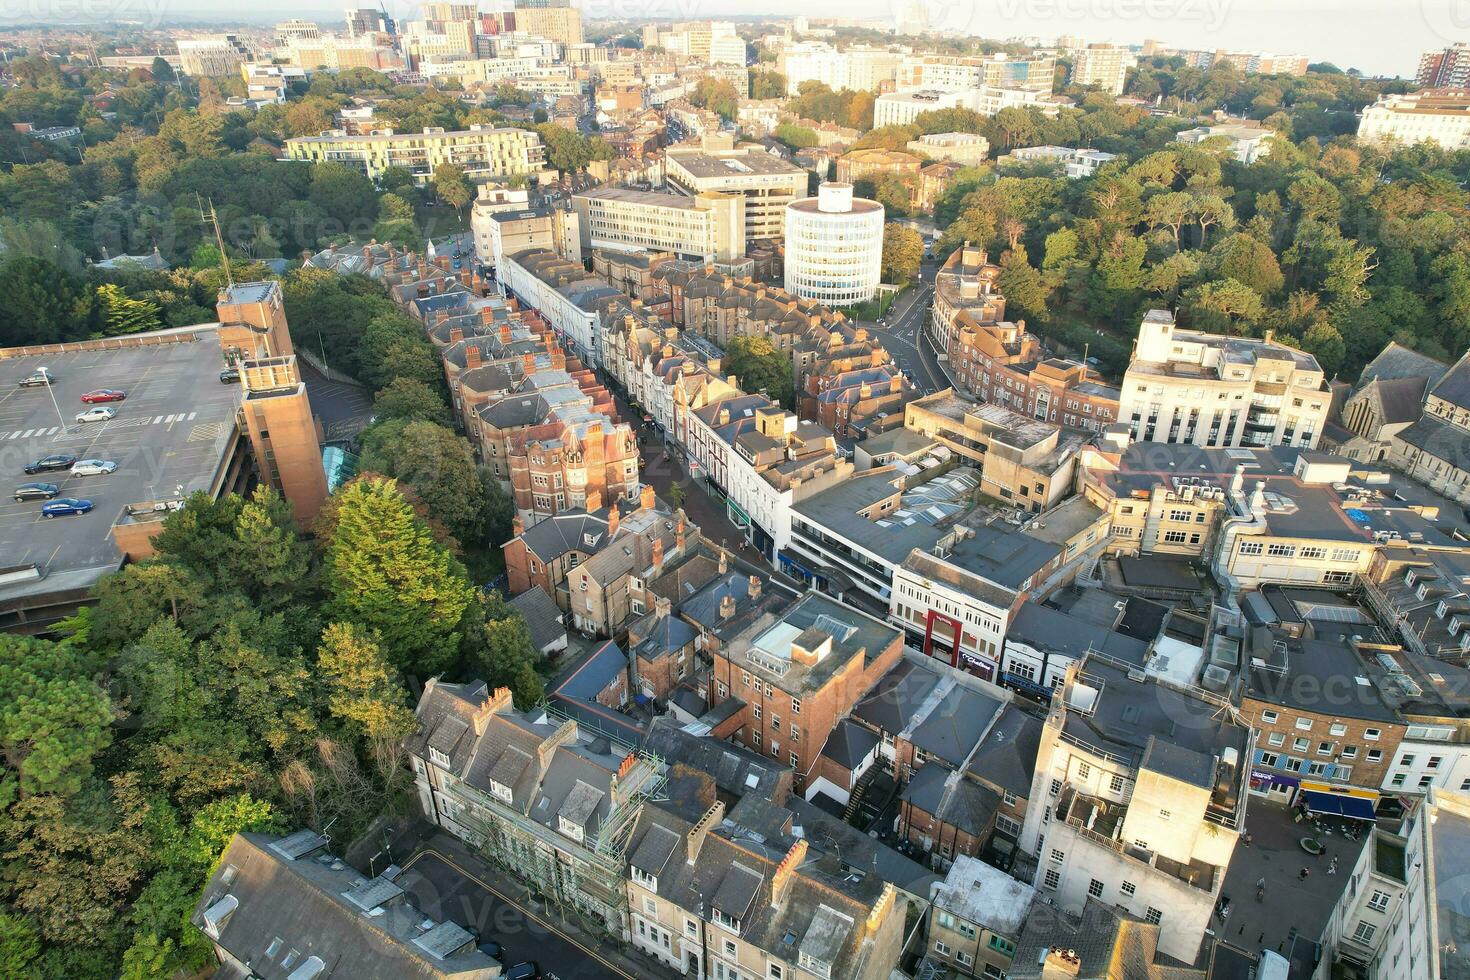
(444,890)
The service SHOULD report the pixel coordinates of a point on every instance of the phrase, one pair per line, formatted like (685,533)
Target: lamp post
(50,391)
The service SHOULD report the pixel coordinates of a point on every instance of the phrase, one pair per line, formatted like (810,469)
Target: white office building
(834,246)
(1439,116)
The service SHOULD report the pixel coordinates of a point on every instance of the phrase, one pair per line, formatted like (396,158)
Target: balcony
(1099,821)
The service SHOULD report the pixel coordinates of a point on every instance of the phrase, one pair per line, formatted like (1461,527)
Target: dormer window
(814,965)
(645,880)
(501,791)
(724,921)
(572,830)
(438,758)
(218,914)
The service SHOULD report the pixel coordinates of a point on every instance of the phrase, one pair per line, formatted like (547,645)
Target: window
(1269,717)
(1153,915)
(795,761)
(1338,730)
(729,948)
(1083,770)
(727,922)
(1057,857)
(964,959)
(1434,761)
(1424,781)
(646,880)
(1375,755)
(724,691)
(438,758)
(796,706)
(1174,537)
(1052,879)
(1127,888)
(1269,758)
(1281,550)
(1165,815)
(775,748)
(1371,734)
(1407,760)
(1277,739)
(1324,748)
(1349,752)
(776,973)
(941,948)
(1300,744)
(755,739)
(1095,888)
(756,709)
(691,928)
(1250,547)
(1056,786)
(650,906)
(1305,725)
(1364,932)
(1116,783)
(1379,901)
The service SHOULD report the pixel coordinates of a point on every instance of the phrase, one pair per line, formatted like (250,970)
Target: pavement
(447,881)
(1291,905)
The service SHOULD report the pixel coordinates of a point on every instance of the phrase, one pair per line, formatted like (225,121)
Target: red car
(104,395)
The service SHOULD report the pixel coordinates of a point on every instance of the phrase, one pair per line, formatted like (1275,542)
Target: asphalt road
(905,336)
(444,891)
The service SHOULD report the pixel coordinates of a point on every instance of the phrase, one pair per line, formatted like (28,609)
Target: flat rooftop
(702,163)
(648,198)
(173,435)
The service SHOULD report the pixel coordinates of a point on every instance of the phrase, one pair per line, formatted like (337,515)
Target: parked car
(229,375)
(93,467)
(96,415)
(104,395)
(65,506)
(60,461)
(493,950)
(37,379)
(36,491)
(529,970)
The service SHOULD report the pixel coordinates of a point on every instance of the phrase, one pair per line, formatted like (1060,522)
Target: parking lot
(441,889)
(171,436)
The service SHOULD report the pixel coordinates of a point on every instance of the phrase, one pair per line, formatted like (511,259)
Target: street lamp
(50,391)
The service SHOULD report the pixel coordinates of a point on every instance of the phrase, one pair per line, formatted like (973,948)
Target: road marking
(524,911)
(158,420)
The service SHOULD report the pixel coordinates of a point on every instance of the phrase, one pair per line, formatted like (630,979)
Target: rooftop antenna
(219,240)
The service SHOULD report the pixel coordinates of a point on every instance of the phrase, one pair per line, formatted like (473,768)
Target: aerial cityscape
(531,490)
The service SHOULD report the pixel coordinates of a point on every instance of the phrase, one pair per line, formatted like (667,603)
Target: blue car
(66,505)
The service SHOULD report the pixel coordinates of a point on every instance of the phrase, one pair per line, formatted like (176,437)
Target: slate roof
(969,807)
(1439,439)
(1454,387)
(570,530)
(542,617)
(1402,399)
(1109,944)
(1397,361)
(662,635)
(734,769)
(1056,632)
(1007,757)
(289,912)
(849,744)
(593,675)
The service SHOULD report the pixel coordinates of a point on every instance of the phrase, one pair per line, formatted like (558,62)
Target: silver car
(93,467)
(99,414)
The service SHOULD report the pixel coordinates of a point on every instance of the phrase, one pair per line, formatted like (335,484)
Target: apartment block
(1103,65)
(1025,462)
(212,56)
(573,460)
(858,67)
(559,22)
(1139,799)
(708,227)
(1185,386)
(564,293)
(1444,68)
(1247,143)
(534,793)
(482,151)
(1002,362)
(970,149)
(964,286)
(766,182)
(501,232)
(953,73)
(903,107)
(798,673)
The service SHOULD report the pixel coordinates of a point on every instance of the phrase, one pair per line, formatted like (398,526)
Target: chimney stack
(663,607)
(755,588)
(1061,964)
(700,830)
(505,333)
(724,561)
(517,526)
(658,554)
(471,357)
(781,877)
(594,502)
(679,534)
(646,500)
(727,607)
(455,335)
(614,519)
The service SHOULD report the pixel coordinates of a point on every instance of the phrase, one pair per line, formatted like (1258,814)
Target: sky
(1379,37)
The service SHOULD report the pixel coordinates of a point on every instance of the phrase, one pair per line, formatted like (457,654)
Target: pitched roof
(285,914)
(849,744)
(542,616)
(1397,361)
(952,798)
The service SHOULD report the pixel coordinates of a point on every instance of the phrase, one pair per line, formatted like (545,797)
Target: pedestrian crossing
(126,423)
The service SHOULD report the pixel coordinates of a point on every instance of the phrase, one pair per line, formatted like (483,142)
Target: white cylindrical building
(834,246)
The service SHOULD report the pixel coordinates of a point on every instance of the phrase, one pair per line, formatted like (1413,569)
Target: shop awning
(1345,803)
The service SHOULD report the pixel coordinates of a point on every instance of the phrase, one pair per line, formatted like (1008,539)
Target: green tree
(1323,342)
(19,947)
(363,689)
(767,84)
(1170,210)
(505,656)
(411,399)
(761,366)
(122,314)
(53,718)
(387,574)
(452,187)
(437,464)
(41,304)
(903,251)
(1022,285)
(716,95)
